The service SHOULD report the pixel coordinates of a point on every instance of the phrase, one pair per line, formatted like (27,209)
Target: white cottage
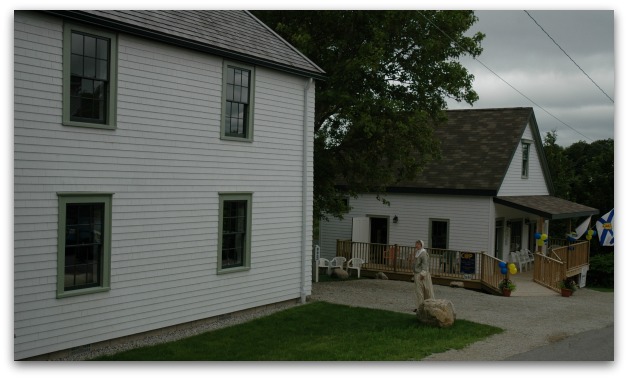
(490,192)
(162,172)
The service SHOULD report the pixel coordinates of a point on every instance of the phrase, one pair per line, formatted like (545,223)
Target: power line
(502,79)
(574,62)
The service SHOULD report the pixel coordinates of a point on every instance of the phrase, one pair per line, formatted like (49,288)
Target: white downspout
(304,190)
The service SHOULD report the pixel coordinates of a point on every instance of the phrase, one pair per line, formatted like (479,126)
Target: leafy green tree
(389,74)
(560,168)
(582,173)
(593,165)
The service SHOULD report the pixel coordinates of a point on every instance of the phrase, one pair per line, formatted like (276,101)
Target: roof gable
(477,147)
(235,34)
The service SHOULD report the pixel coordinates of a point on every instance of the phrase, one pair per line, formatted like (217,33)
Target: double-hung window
(237,111)
(234,239)
(84,243)
(89,77)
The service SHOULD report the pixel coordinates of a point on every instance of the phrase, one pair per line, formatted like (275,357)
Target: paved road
(592,345)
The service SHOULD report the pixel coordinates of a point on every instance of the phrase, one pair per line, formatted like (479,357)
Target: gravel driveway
(529,321)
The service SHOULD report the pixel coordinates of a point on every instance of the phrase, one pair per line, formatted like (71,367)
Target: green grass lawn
(318,331)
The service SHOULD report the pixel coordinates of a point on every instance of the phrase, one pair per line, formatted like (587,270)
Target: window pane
(99,89)
(77,44)
(230,75)
(87,88)
(245,78)
(237,77)
(229,92)
(101,69)
(90,47)
(76,65)
(102,51)
(89,67)
(236,93)
(244,96)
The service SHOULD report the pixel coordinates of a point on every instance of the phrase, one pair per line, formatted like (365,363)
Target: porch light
(395,219)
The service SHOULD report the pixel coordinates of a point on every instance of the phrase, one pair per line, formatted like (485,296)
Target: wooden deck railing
(444,264)
(561,262)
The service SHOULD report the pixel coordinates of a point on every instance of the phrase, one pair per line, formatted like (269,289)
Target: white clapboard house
(490,192)
(162,172)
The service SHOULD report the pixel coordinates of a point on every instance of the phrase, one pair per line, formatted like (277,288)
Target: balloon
(543,236)
(537,236)
(502,264)
(590,232)
(539,242)
(513,270)
(588,237)
(504,270)
(594,233)
(511,265)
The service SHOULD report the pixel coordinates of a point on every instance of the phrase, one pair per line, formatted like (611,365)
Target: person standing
(422,279)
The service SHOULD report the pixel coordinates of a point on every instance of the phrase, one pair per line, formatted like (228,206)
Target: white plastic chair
(530,255)
(355,264)
(521,257)
(337,262)
(322,262)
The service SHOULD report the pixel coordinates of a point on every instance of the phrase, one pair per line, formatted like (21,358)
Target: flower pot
(506,292)
(565,292)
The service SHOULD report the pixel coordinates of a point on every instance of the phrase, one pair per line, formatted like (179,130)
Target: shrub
(602,271)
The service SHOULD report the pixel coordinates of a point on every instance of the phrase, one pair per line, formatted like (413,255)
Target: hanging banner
(582,228)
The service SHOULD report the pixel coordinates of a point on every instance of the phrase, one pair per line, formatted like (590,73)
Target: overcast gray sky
(518,50)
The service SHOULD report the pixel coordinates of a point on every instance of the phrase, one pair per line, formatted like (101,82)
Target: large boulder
(437,312)
(340,274)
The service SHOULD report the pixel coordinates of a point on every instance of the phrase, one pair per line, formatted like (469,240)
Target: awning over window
(548,207)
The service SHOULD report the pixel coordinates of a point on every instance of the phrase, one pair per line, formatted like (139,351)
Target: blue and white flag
(604,228)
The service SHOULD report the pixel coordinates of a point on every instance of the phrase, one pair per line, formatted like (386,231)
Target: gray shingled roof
(477,146)
(552,208)
(235,34)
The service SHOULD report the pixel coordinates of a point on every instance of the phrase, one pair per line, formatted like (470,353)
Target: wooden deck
(476,270)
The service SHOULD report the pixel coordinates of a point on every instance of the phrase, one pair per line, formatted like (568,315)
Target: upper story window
(525,160)
(238,90)
(89,77)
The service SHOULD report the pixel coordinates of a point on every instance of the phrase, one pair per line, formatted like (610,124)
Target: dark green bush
(602,270)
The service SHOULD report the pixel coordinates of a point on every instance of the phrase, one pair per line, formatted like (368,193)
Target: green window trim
(245,101)
(111,83)
(104,264)
(234,198)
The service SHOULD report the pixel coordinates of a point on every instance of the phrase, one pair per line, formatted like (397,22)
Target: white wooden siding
(165,164)
(534,184)
(468,220)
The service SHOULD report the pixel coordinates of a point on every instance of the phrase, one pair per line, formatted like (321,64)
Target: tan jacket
(421,262)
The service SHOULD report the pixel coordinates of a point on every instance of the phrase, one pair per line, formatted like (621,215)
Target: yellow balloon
(511,266)
(543,236)
(590,232)
(588,237)
(513,270)
(539,242)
